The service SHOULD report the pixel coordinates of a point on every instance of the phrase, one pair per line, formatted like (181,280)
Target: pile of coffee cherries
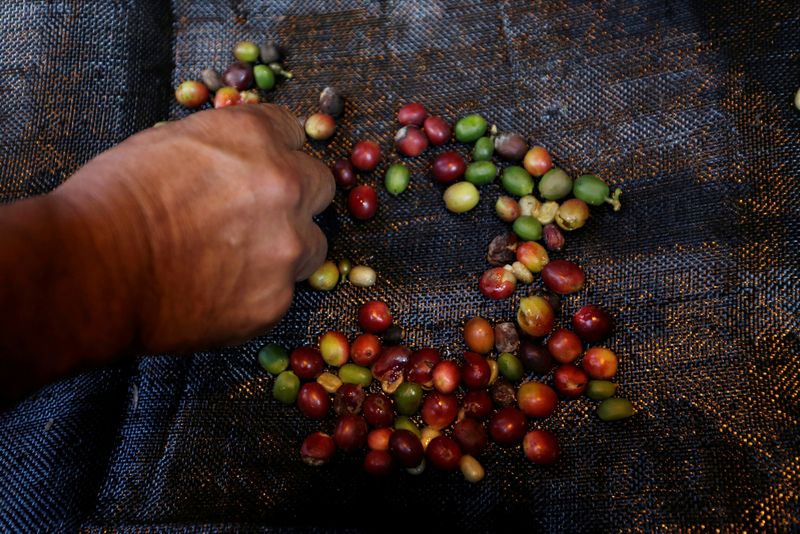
(410,409)
(245,81)
(517,255)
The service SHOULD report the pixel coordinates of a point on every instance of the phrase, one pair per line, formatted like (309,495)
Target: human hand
(210,223)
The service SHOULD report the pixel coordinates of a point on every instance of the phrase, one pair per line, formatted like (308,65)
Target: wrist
(104,258)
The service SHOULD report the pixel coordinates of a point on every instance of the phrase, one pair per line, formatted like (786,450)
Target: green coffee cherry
(407,398)
(510,367)
(246,51)
(483,149)
(555,184)
(351,373)
(527,228)
(595,191)
(481,172)
(614,408)
(344,268)
(286,387)
(517,181)
(470,128)
(461,197)
(265,78)
(325,278)
(402,422)
(273,358)
(600,389)
(397,178)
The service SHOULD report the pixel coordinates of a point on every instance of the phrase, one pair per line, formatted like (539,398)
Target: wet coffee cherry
(349,399)
(320,126)
(563,277)
(378,410)
(410,141)
(541,447)
(378,463)
(439,410)
(477,403)
(365,155)
(592,323)
(470,435)
(421,365)
(362,202)
(317,449)
(507,209)
(565,345)
(572,214)
(555,185)
(335,348)
(507,426)
(191,94)
(212,79)
(479,335)
(470,127)
(497,283)
(446,376)
(365,350)
(533,256)
(407,398)
(374,317)
(448,167)
(313,401)
(246,51)
(570,380)
(306,362)
(227,96)
(239,76)
(595,191)
(269,52)
(535,357)
(413,113)
(443,453)
(600,362)
(351,432)
(537,161)
(331,102)
(535,316)
(264,77)
(406,448)
(438,130)
(344,174)
(475,372)
(614,409)
(461,197)
(536,399)
(511,146)
(397,178)
(389,369)
(378,438)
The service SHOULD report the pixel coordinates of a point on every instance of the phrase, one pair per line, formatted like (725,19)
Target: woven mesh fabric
(685,105)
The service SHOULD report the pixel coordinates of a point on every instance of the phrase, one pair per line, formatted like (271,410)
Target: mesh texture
(687,106)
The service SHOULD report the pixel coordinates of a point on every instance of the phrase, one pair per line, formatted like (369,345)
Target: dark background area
(687,106)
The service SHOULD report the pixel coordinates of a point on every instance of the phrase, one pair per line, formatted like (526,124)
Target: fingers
(316,246)
(319,186)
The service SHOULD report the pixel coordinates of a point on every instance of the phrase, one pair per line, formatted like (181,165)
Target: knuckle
(246,122)
(293,247)
(291,192)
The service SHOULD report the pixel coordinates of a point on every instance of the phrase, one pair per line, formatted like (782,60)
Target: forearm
(65,299)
